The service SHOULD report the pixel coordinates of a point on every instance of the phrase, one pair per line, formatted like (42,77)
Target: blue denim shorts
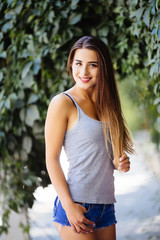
(103,215)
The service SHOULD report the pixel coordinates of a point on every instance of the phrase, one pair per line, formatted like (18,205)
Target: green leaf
(2,93)
(74,4)
(28,182)
(156,101)
(32,114)
(26,69)
(36,65)
(150,62)
(7,26)
(3,54)
(10,1)
(134,2)
(10,15)
(37,129)
(12,96)
(154,31)
(27,144)
(157,124)
(153,10)
(18,8)
(7,104)
(137,13)
(2,134)
(30,18)
(157,4)
(22,115)
(32,99)
(118,9)
(154,69)
(103,32)
(159,34)
(28,81)
(1,104)
(156,88)
(146,17)
(14,205)
(30,47)
(1,36)
(135,30)
(93,32)
(23,155)
(51,15)
(55,28)
(1,76)
(74,18)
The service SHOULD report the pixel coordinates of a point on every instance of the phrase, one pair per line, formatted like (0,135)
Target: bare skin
(107,233)
(62,116)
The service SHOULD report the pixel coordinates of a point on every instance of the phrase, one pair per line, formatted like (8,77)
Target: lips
(85,79)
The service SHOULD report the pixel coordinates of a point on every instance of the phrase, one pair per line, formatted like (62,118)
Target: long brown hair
(107,97)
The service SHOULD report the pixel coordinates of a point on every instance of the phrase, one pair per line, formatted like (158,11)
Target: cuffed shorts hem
(103,215)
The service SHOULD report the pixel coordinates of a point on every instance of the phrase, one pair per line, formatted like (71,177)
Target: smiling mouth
(85,79)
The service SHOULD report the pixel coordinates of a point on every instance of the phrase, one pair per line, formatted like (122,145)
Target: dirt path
(137,207)
(138,199)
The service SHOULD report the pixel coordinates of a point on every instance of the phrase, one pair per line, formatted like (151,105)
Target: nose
(84,71)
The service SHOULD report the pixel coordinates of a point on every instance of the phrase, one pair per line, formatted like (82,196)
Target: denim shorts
(103,215)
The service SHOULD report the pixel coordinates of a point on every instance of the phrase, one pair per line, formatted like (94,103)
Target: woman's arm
(55,128)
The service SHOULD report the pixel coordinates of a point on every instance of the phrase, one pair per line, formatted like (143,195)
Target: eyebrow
(88,62)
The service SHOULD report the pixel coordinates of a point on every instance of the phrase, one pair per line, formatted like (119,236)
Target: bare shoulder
(61,103)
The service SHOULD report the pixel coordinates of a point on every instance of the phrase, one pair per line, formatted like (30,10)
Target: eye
(93,65)
(78,64)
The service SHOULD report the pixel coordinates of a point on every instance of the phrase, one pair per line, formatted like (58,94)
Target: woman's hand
(124,164)
(78,221)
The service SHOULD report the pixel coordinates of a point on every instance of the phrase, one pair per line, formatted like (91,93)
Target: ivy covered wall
(35,40)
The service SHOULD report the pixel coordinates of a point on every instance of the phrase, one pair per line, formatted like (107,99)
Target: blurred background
(35,40)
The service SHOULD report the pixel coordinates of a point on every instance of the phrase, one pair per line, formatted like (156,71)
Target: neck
(85,93)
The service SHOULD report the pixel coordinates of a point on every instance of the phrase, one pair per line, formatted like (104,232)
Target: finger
(124,162)
(124,156)
(88,222)
(73,228)
(86,228)
(125,168)
(84,209)
(79,229)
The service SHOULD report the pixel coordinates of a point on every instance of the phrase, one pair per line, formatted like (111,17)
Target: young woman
(87,120)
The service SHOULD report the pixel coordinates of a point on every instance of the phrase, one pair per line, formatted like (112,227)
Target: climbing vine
(35,40)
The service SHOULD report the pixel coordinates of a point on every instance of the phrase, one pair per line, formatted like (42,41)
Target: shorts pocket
(88,207)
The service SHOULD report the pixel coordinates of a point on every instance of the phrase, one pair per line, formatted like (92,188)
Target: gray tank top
(90,176)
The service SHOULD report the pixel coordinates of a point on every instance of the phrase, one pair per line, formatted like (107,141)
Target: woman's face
(85,68)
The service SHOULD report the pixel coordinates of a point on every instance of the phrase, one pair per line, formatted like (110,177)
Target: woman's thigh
(66,233)
(107,233)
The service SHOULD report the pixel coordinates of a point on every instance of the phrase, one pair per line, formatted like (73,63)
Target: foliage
(35,40)
(146,27)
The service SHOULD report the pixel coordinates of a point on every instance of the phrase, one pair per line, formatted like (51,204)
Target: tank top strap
(75,103)
(67,94)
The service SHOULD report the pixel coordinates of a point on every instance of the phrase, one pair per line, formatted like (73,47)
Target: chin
(85,86)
